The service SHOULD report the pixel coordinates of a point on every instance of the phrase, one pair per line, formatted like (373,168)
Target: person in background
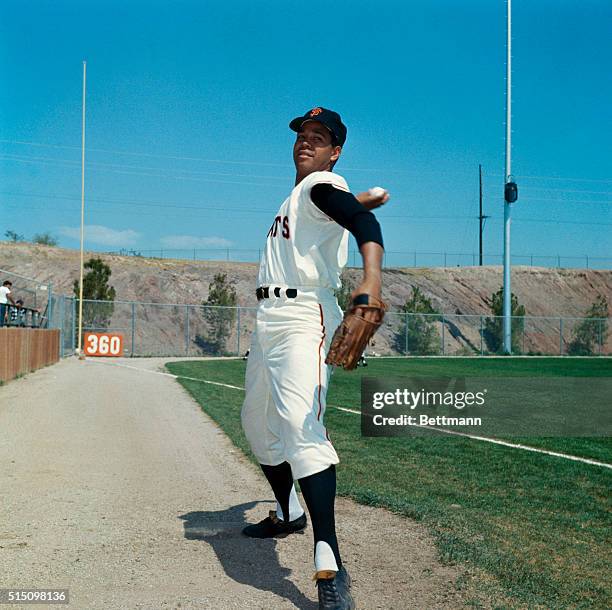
(5,299)
(18,314)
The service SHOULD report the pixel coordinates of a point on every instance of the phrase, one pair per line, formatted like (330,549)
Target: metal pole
(508,172)
(133,327)
(50,307)
(73,322)
(560,336)
(61,325)
(443,338)
(481,337)
(187,331)
(238,334)
(600,335)
(79,338)
(406,334)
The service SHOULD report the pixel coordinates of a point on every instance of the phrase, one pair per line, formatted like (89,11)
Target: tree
(96,316)
(219,312)
(12,236)
(592,331)
(493,332)
(417,334)
(343,294)
(45,239)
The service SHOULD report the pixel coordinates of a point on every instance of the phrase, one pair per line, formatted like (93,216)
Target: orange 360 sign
(103,344)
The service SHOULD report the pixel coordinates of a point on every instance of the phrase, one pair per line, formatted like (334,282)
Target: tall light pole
(510,189)
(80,333)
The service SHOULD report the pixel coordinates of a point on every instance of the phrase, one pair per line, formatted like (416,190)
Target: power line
(258,163)
(11,157)
(135,202)
(111,167)
(183,158)
(548,188)
(523,176)
(268,211)
(153,175)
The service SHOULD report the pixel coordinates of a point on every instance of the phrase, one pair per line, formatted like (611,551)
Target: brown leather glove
(354,333)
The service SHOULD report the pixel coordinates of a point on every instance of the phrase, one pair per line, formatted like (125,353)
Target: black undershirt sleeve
(344,208)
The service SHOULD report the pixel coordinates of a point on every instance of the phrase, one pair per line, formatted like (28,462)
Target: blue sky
(188,105)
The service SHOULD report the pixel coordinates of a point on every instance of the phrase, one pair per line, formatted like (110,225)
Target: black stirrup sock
(319,492)
(281,481)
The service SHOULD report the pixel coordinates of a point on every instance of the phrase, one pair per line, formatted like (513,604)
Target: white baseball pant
(287,380)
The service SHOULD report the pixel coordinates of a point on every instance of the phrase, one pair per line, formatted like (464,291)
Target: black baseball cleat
(334,590)
(273,527)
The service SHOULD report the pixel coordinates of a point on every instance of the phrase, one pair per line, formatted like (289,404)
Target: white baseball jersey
(305,247)
(4,292)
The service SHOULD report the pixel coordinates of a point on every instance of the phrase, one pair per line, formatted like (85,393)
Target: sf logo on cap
(315,111)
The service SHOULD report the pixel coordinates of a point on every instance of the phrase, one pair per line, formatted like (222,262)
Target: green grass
(534,528)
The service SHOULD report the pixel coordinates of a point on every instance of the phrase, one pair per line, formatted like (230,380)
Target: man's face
(313,150)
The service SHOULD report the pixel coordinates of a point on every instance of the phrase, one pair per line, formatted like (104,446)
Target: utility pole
(482,218)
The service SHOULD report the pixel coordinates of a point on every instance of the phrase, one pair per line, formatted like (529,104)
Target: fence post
(443,338)
(187,331)
(531,259)
(560,336)
(406,334)
(49,304)
(238,333)
(62,317)
(481,337)
(558,261)
(133,327)
(587,261)
(194,256)
(73,325)
(445,259)
(414,258)
(600,335)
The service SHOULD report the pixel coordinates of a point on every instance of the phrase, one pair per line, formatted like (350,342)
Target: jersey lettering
(280,220)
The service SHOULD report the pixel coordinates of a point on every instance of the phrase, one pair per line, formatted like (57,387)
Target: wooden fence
(23,350)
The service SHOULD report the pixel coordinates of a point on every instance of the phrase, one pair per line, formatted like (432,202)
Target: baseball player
(287,377)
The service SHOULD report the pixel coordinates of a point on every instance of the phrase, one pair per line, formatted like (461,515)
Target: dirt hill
(550,293)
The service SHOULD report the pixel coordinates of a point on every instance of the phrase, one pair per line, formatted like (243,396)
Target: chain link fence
(392,259)
(167,329)
(34,293)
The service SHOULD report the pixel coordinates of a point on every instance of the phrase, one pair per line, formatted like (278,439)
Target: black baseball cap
(326,117)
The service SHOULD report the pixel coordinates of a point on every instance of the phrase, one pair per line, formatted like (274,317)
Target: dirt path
(115,485)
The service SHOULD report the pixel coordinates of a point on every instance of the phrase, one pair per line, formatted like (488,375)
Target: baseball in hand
(377,191)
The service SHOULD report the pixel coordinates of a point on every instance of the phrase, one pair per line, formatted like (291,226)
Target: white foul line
(485,439)
(495,441)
